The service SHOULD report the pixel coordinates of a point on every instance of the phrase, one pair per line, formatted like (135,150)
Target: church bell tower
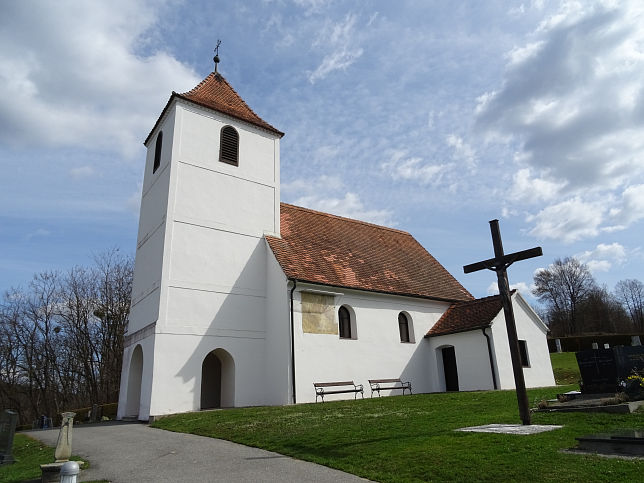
(211,192)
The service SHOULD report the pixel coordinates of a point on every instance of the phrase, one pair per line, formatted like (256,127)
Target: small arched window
(157,152)
(344,319)
(229,146)
(403,327)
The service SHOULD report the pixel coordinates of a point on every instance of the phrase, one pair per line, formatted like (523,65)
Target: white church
(241,300)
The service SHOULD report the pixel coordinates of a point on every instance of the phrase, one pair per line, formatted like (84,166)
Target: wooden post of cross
(500,264)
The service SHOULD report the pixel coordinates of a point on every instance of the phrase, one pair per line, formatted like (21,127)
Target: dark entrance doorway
(211,382)
(135,376)
(449,367)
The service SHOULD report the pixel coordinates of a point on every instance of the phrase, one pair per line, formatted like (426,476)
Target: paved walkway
(132,452)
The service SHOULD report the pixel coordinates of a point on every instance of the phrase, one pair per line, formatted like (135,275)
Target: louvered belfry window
(229,146)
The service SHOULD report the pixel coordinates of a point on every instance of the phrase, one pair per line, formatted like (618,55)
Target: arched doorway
(217,380)
(449,368)
(135,374)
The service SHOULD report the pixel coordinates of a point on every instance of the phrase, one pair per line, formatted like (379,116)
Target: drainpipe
(489,352)
(293,342)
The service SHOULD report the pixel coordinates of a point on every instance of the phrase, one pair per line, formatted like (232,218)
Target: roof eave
(458,331)
(174,95)
(156,124)
(385,292)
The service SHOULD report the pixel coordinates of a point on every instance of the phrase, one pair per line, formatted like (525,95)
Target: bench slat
(320,390)
(328,384)
(396,383)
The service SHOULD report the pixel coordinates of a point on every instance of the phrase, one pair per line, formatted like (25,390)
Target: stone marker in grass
(8,420)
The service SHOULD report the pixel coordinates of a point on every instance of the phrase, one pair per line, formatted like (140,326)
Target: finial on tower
(216,57)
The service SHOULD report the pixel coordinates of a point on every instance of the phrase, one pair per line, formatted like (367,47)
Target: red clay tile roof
(465,316)
(214,92)
(327,249)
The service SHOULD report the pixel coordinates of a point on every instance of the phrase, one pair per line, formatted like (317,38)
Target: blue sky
(429,117)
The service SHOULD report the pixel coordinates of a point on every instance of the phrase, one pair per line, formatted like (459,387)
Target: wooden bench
(321,389)
(388,384)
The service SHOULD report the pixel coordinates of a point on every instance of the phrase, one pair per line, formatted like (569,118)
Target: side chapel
(241,300)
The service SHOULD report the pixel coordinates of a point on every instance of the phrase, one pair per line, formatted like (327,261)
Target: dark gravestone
(8,420)
(629,360)
(603,369)
(598,371)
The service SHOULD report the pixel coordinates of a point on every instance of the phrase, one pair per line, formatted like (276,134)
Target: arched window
(403,327)
(157,152)
(345,323)
(229,146)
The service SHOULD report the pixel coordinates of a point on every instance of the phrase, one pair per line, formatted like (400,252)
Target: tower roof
(214,92)
(330,250)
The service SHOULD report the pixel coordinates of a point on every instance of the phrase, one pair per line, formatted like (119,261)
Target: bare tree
(114,273)
(601,312)
(61,339)
(630,293)
(563,286)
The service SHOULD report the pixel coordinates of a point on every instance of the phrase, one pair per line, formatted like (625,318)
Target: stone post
(64,445)
(8,421)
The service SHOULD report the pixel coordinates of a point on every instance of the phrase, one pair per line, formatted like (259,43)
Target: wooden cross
(500,264)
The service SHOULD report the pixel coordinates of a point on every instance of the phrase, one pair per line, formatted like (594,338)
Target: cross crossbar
(506,261)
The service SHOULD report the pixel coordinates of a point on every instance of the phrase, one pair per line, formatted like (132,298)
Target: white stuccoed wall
(377,353)
(472,361)
(277,368)
(533,331)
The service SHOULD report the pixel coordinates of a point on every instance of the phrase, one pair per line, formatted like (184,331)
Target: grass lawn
(29,455)
(412,438)
(565,368)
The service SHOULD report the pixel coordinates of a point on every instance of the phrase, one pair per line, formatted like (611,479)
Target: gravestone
(8,420)
(629,359)
(602,369)
(598,371)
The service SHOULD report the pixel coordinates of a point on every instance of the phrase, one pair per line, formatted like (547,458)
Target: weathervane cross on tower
(500,264)
(216,57)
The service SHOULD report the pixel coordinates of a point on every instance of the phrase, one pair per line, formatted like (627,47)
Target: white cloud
(631,208)
(603,257)
(340,39)
(82,80)
(530,189)
(568,221)
(311,6)
(462,150)
(349,206)
(330,195)
(572,101)
(413,169)
(522,287)
(309,186)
